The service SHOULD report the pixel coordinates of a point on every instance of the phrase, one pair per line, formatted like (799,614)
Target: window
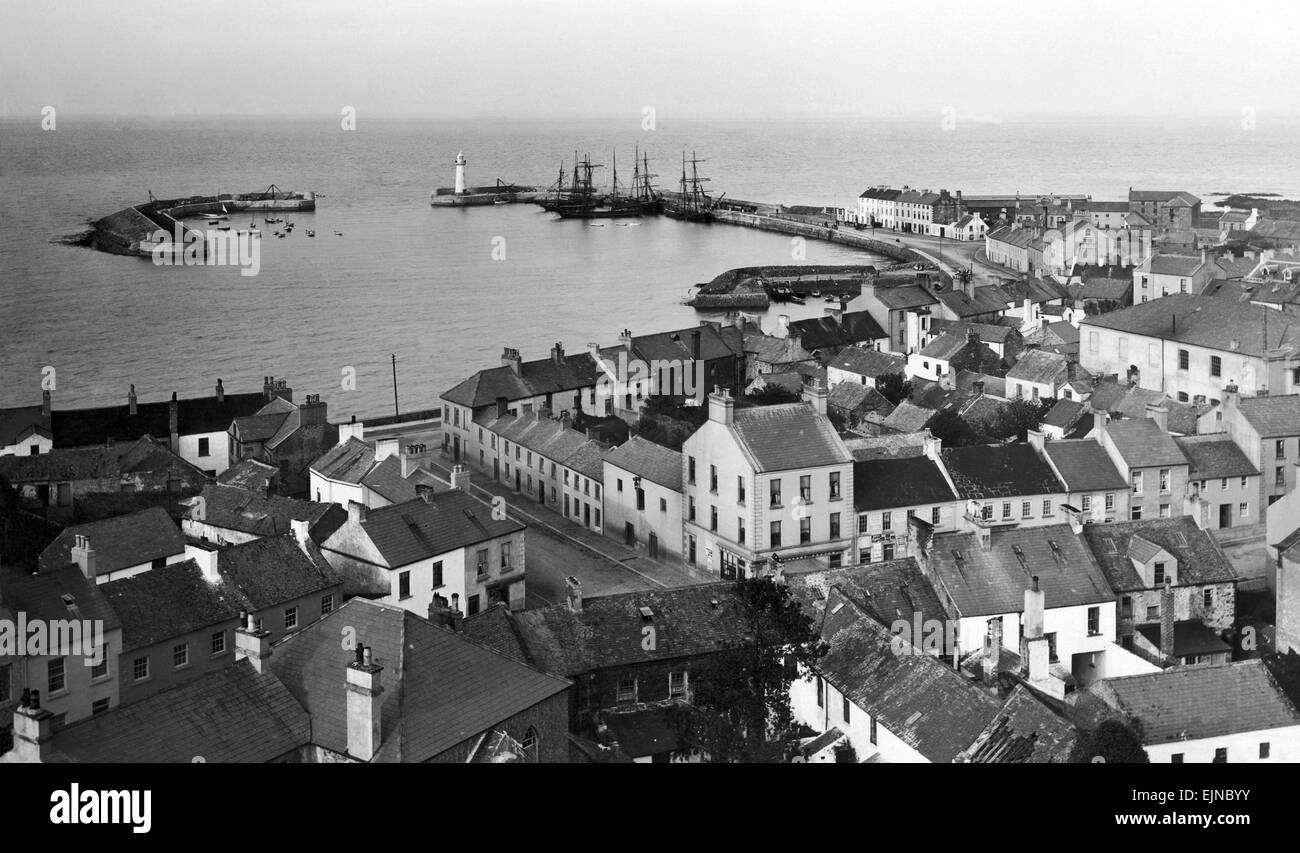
(713,518)
(873,731)
(218,643)
(180,655)
(740,530)
(1281,449)
(835,525)
(640,498)
(1223,483)
(774,535)
(805,488)
(1094,621)
(835,485)
(1164,480)
(805,531)
(690,508)
(1137,482)
(886,520)
(437,582)
(663,504)
(1159,575)
(1207,597)
(1135,513)
(690,470)
(57,676)
(1006,509)
(1263,750)
(821,692)
(713,479)
(1216,366)
(1279,476)
(1153,612)
(100,669)
(530,741)
(626,690)
(1110,501)
(1164,510)
(844,708)
(481,560)
(291,617)
(676,684)
(934,516)
(98,707)
(986,512)
(1176,758)
(1243,482)
(472,605)
(1221,755)
(740,490)
(1094,345)
(203,447)
(140,668)
(1184,359)
(774,493)
(1243,509)
(1126,606)
(1182,397)
(1026,509)
(618,485)
(1086,503)
(505,556)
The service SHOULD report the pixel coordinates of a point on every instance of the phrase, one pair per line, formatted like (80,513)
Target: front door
(455,448)
(629,534)
(653,544)
(516,478)
(541,492)
(496,470)
(1225,515)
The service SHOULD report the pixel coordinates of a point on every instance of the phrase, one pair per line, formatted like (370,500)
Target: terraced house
(1267,429)
(762,483)
(1150,461)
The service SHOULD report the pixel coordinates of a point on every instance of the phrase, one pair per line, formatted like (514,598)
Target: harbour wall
(845,236)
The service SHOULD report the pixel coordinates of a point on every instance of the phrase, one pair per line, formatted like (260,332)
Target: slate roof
(716,342)
(988,299)
(1191,637)
(262,515)
(1143,444)
(495,627)
(608,631)
(536,378)
(996,333)
(768,349)
(1200,561)
(866,362)
(385,479)
(1018,237)
(1040,367)
(553,440)
(46,595)
(1181,265)
(1204,321)
(249,474)
(1131,403)
(1213,457)
(91,463)
(908,417)
(999,471)
(905,296)
(1272,417)
(887,446)
(1193,702)
(346,462)
(441,687)
(231,715)
(1179,197)
(898,483)
(1064,414)
(653,462)
(827,331)
(945,346)
(120,542)
(86,427)
(417,529)
(17,421)
(1025,731)
(916,697)
(275,570)
(859,399)
(786,437)
(169,602)
(888,591)
(993,582)
(1084,465)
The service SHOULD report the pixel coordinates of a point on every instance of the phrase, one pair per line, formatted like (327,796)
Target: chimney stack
(722,408)
(573,593)
(84,556)
(1037,440)
(1033,616)
(502,403)
(356,512)
(313,411)
(695,344)
(268,388)
(460,478)
(33,729)
(45,403)
(423,491)
(1159,413)
(207,561)
(442,613)
(252,642)
(815,392)
(557,353)
(352,429)
(131,401)
(993,651)
(364,704)
(221,392)
(1167,621)
(299,527)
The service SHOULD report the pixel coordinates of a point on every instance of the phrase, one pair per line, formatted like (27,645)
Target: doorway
(1225,515)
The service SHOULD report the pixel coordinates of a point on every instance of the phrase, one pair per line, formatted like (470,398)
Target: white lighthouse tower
(460,173)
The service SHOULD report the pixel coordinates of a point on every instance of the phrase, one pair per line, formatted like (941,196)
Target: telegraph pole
(395,411)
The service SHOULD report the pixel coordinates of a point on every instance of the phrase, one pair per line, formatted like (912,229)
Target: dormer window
(1159,574)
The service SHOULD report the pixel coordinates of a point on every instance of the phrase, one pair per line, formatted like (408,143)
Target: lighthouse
(460,173)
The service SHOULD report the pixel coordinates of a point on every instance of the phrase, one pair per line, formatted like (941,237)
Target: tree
(952,429)
(741,694)
(1015,419)
(1113,742)
(894,386)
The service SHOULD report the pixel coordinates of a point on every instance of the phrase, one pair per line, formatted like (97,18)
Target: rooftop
(1141,443)
(1084,464)
(417,529)
(170,602)
(787,437)
(1213,457)
(120,542)
(1200,561)
(93,427)
(1206,321)
(653,462)
(899,483)
(999,471)
(1272,417)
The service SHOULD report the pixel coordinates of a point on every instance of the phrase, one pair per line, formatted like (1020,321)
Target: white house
(118,547)
(643,497)
(1231,713)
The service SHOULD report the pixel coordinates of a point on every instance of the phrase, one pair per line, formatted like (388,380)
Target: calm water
(420,282)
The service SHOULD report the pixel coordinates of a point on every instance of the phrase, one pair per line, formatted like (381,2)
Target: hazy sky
(710,58)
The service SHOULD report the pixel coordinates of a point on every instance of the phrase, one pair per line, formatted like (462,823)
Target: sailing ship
(692,203)
(584,202)
(643,192)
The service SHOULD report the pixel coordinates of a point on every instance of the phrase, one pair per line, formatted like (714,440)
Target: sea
(445,290)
